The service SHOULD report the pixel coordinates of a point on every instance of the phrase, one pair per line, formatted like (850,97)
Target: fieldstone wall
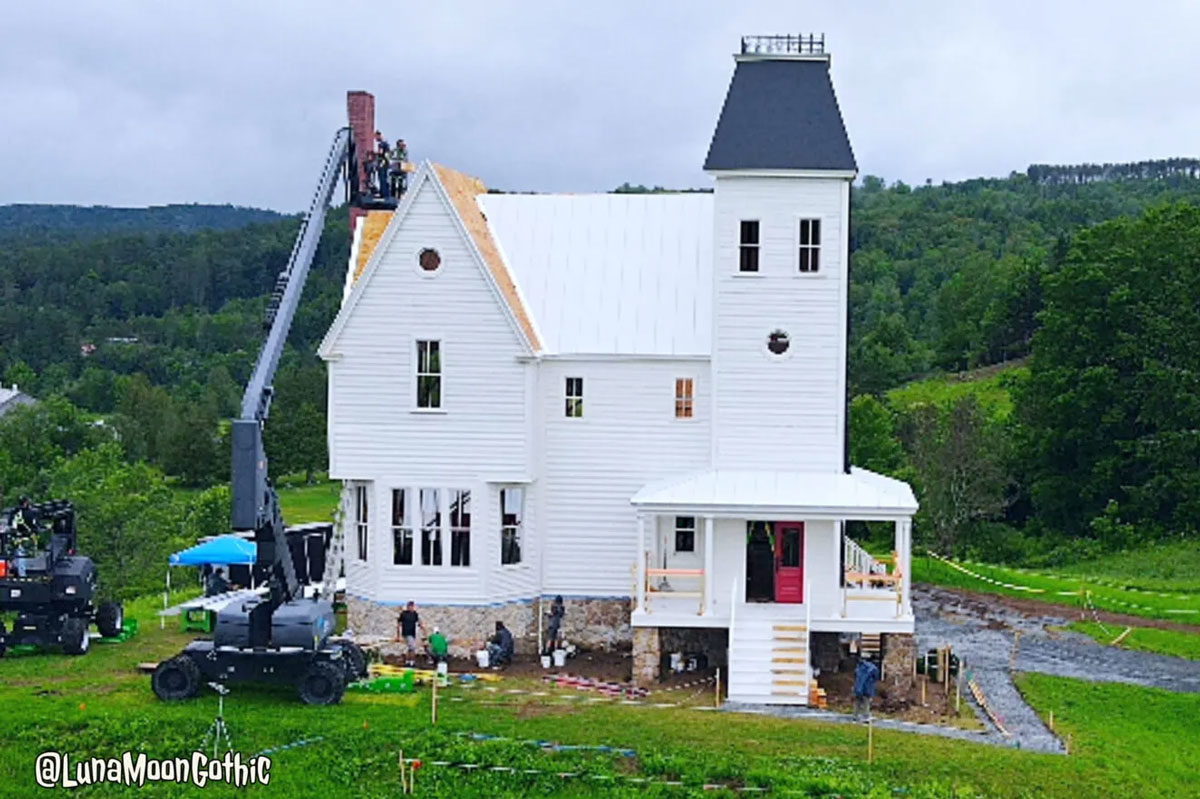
(647,656)
(589,624)
(899,663)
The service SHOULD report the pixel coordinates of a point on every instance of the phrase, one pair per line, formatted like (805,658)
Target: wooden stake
(433,705)
(1051,721)
(403,778)
(870,737)
(717,692)
(1068,743)
(924,682)
(958,690)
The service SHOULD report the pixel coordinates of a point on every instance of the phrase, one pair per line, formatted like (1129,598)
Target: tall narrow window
(810,245)
(362,518)
(685,533)
(748,246)
(574,397)
(683,398)
(512,512)
(460,528)
(402,527)
(429,374)
(431,528)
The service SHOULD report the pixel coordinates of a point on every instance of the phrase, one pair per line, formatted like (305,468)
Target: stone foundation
(647,656)
(899,664)
(712,642)
(826,651)
(589,624)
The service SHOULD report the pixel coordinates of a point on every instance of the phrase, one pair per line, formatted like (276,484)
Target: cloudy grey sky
(137,103)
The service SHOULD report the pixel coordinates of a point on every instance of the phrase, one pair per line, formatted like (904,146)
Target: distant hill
(43,224)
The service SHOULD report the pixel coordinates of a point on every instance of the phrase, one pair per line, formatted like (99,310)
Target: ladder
(336,553)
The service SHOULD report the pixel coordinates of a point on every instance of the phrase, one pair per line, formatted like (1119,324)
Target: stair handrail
(729,651)
(808,643)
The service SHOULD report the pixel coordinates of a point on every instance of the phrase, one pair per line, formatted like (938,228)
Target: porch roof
(860,494)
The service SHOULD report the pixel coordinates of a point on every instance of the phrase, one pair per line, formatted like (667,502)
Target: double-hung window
(402,526)
(748,246)
(810,245)
(685,533)
(460,528)
(684,402)
(362,518)
(429,374)
(574,397)
(431,527)
(512,512)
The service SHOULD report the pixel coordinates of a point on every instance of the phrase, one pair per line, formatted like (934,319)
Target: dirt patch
(937,707)
(981,602)
(607,666)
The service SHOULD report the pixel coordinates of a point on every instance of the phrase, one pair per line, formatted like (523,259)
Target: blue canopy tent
(224,549)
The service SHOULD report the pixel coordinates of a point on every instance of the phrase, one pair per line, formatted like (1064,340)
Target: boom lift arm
(255,503)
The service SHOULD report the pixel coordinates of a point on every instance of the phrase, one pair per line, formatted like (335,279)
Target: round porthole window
(778,342)
(429,260)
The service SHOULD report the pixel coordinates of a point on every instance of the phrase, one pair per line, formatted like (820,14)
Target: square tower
(783,167)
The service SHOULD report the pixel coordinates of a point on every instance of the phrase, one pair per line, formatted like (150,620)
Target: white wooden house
(635,401)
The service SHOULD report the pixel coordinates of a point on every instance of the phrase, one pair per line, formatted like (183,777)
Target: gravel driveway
(981,632)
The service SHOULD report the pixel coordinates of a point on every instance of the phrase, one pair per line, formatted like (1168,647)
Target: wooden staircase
(769,661)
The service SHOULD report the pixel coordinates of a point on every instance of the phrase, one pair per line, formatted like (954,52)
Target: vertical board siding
(778,413)
(592,466)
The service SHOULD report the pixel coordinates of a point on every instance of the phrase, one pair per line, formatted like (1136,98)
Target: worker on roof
(370,171)
(399,177)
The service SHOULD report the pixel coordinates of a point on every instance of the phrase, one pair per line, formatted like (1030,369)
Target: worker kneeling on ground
(500,646)
(437,647)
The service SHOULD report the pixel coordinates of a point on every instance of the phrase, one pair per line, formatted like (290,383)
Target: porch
(765,555)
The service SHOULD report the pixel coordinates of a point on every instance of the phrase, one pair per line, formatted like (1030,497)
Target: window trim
(518,528)
(417,375)
(570,398)
(797,246)
(781,356)
(743,247)
(689,398)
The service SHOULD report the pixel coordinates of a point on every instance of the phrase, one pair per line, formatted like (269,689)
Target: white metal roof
(627,274)
(861,494)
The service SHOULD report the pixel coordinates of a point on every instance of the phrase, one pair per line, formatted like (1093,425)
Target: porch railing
(658,583)
(869,577)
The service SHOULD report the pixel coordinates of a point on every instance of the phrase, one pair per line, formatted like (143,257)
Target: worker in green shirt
(437,646)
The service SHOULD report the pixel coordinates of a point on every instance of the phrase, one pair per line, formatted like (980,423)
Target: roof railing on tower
(786,44)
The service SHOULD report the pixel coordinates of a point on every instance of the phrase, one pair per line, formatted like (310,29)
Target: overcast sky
(140,103)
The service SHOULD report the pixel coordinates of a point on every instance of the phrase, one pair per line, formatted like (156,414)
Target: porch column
(904,561)
(708,565)
(640,563)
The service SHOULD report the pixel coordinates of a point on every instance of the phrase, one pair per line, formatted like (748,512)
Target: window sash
(685,533)
(574,397)
(684,397)
(512,512)
(460,528)
(431,527)
(402,530)
(809,239)
(748,243)
(429,374)
(362,520)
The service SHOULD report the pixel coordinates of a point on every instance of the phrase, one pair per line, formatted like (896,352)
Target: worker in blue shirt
(865,677)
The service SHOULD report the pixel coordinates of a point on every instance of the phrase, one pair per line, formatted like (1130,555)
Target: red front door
(789,561)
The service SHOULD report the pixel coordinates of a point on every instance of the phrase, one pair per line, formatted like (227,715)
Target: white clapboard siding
(779,412)
(592,466)
(483,433)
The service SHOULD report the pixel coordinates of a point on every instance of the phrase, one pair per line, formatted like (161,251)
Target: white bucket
(481,657)
(560,658)
(443,672)
(545,661)
(676,662)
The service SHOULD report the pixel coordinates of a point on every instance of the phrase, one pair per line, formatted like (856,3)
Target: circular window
(429,260)
(778,342)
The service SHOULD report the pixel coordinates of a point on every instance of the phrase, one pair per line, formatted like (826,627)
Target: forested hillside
(144,325)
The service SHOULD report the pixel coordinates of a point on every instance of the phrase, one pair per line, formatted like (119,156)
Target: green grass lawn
(1128,741)
(309,503)
(1146,639)
(1173,601)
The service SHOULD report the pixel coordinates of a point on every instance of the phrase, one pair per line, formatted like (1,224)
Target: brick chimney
(360,108)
